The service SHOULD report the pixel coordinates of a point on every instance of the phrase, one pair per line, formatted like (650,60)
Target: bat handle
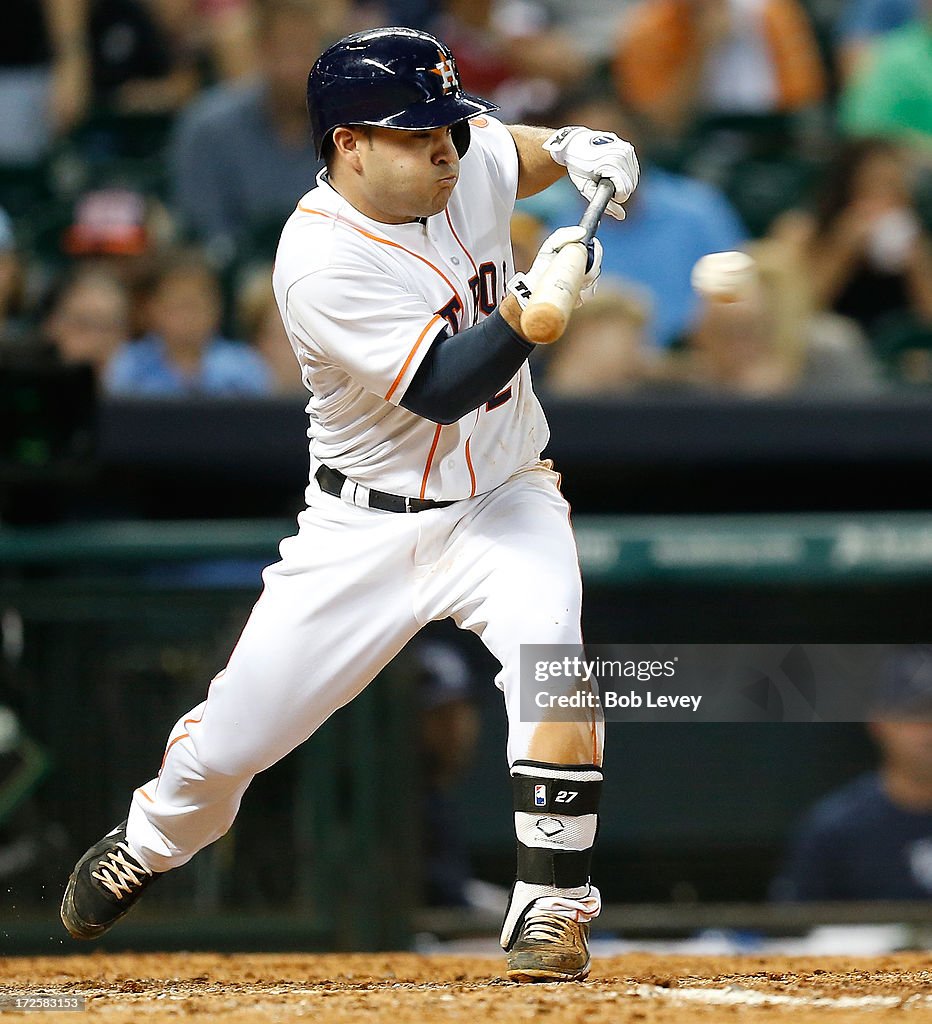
(591,219)
(545,317)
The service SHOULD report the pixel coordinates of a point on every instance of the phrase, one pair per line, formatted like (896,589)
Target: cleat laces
(545,926)
(119,872)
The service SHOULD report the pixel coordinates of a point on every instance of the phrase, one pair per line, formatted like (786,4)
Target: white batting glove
(522,285)
(588,156)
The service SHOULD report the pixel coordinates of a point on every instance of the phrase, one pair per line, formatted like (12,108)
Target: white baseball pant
(351,588)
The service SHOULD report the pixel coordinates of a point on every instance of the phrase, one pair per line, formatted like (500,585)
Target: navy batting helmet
(390,78)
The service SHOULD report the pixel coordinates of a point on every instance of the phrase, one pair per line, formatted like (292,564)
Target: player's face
(407,174)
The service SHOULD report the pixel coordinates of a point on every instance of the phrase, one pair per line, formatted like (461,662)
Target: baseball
(724,276)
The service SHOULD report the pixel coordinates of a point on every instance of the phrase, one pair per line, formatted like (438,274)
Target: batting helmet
(390,78)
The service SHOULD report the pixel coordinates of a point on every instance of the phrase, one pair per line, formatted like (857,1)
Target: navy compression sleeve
(461,371)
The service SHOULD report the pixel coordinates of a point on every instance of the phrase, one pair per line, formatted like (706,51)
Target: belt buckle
(407,504)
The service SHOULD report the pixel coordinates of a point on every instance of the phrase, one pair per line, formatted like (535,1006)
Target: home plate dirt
(406,987)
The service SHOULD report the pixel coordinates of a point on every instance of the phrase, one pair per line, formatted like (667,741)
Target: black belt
(332,481)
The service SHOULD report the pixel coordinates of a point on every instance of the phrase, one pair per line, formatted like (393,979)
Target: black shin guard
(556,823)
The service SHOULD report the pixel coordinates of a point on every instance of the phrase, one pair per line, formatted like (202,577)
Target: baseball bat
(545,317)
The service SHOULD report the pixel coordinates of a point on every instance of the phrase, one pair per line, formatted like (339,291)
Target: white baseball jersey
(363,301)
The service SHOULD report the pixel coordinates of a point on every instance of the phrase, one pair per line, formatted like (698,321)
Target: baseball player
(427,496)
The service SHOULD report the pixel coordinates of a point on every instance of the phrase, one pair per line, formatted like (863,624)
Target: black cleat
(105,884)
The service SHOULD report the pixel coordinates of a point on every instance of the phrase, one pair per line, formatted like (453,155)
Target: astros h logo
(447,72)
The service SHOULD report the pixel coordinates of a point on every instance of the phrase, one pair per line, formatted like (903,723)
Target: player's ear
(346,144)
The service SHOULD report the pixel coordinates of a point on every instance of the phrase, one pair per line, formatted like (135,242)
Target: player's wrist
(557,144)
(510,310)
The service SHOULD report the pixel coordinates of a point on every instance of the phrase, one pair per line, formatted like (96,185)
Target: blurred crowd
(150,151)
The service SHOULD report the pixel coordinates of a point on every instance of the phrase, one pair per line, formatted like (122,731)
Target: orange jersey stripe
(407,362)
(472,474)
(430,459)
(385,241)
(394,245)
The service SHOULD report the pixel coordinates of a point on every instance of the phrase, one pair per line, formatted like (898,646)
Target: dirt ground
(406,987)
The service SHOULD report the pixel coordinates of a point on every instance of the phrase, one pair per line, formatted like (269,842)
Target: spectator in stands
(61,56)
(260,323)
(108,222)
(242,156)
(891,94)
(604,351)
(772,341)
(862,23)
(592,24)
(45,75)
(89,318)
(866,249)
(679,60)
(183,353)
(12,287)
(672,220)
(872,839)
(508,53)
(220,34)
(125,230)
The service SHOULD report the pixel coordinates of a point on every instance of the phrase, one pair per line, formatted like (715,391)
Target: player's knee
(224,760)
(553,624)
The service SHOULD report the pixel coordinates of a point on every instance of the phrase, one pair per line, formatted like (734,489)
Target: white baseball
(724,276)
